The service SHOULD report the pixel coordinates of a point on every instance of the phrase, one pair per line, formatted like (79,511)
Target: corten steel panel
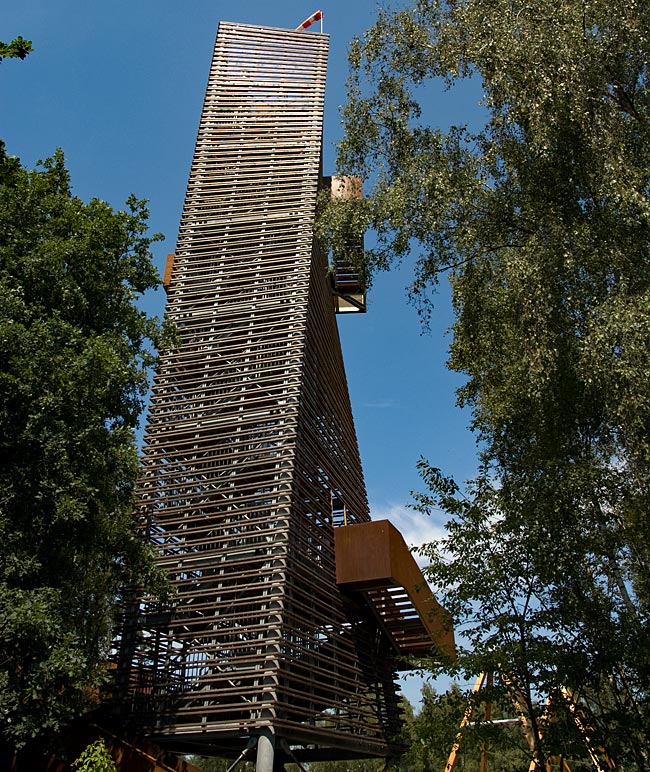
(373,558)
(250,454)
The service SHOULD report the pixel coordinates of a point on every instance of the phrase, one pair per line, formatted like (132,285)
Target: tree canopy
(18,48)
(540,217)
(74,353)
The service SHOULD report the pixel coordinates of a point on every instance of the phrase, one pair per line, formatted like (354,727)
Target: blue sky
(119,86)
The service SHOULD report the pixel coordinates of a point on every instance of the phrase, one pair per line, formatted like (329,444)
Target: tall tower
(250,455)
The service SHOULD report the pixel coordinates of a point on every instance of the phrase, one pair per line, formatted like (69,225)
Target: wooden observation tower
(251,466)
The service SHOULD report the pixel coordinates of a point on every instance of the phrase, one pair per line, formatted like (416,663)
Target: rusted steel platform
(373,559)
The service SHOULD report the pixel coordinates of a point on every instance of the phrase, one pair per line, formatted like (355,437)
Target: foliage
(217,764)
(530,605)
(431,733)
(74,353)
(343,765)
(541,219)
(18,48)
(95,758)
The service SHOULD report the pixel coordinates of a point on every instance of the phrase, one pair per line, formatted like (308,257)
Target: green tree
(18,48)
(95,758)
(343,765)
(74,353)
(538,613)
(541,219)
(431,733)
(218,764)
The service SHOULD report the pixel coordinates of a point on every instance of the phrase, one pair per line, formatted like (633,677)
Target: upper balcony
(348,286)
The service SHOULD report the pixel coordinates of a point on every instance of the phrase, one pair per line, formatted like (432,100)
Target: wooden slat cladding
(250,450)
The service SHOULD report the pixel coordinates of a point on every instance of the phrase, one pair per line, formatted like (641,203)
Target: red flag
(318,16)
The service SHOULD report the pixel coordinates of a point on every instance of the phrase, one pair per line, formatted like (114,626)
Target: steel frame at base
(250,454)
